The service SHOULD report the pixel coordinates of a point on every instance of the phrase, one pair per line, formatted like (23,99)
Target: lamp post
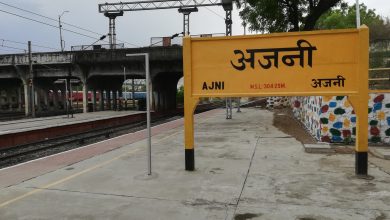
(146,55)
(60,27)
(357,14)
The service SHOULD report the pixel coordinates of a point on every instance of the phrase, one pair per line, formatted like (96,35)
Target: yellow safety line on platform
(166,137)
(177,132)
(80,173)
(66,179)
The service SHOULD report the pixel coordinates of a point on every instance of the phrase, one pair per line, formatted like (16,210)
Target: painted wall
(332,119)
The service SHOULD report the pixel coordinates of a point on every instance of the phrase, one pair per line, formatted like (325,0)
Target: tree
(345,17)
(284,15)
(180,95)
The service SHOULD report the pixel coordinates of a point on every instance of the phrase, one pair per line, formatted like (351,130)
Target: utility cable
(43,16)
(35,45)
(65,23)
(214,13)
(12,50)
(15,48)
(41,22)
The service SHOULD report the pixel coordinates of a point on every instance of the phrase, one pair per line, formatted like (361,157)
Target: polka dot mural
(332,119)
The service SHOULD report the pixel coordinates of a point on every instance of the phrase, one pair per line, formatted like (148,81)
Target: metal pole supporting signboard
(148,130)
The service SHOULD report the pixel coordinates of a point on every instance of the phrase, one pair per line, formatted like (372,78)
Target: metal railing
(169,41)
(41,58)
(97,47)
(379,79)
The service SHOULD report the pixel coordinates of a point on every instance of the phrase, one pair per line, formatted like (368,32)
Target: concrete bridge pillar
(37,100)
(82,71)
(27,100)
(10,104)
(20,98)
(155,100)
(55,99)
(108,98)
(85,97)
(120,99)
(164,91)
(94,100)
(114,100)
(46,99)
(25,87)
(101,100)
(63,99)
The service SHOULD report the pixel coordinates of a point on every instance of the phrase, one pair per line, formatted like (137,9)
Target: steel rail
(26,152)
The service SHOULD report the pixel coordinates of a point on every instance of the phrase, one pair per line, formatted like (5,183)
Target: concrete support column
(152,96)
(114,100)
(101,100)
(20,99)
(46,99)
(63,99)
(85,98)
(37,100)
(120,95)
(160,101)
(132,93)
(55,99)
(108,98)
(51,100)
(10,103)
(165,101)
(27,100)
(94,100)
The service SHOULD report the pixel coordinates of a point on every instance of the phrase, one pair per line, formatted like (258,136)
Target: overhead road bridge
(100,72)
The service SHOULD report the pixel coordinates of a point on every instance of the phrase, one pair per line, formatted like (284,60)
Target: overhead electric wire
(75,26)
(214,13)
(41,22)
(35,45)
(15,48)
(12,50)
(43,16)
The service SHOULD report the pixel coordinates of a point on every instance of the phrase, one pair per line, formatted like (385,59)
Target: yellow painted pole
(189,107)
(360,105)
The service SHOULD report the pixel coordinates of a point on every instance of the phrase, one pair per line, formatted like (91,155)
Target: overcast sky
(134,27)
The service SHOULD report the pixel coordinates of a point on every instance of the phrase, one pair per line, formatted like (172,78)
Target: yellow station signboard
(287,64)
(282,64)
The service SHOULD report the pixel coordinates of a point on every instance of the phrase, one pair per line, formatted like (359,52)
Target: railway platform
(245,169)
(25,131)
(30,124)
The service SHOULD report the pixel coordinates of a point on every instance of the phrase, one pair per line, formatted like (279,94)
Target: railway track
(9,116)
(23,153)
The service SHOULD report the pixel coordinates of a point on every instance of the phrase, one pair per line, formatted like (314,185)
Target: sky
(136,28)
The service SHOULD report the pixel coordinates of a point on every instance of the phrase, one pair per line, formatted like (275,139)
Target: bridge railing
(169,41)
(97,47)
(40,58)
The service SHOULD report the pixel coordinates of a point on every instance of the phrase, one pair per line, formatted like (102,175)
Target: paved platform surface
(382,152)
(21,125)
(245,169)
